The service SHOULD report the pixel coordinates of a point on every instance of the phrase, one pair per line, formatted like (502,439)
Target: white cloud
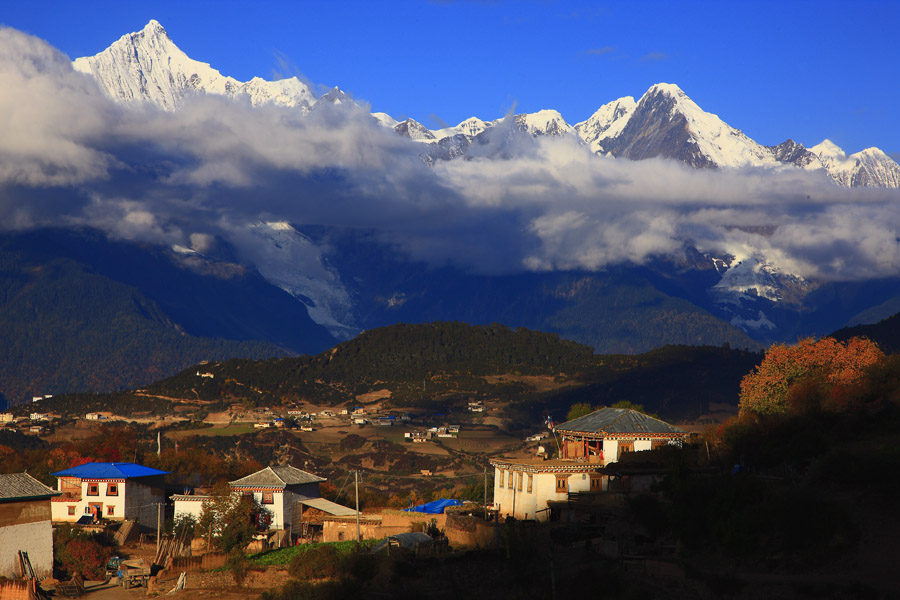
(69,156)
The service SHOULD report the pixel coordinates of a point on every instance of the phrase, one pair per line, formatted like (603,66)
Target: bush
(239,566)
(83,555)
(320,562)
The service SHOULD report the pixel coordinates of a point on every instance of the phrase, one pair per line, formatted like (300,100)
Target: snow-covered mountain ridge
(146,66)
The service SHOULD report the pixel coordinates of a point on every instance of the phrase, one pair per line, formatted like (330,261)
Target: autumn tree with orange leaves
(809,367)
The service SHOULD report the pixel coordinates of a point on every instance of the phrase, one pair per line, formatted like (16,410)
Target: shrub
(320,562)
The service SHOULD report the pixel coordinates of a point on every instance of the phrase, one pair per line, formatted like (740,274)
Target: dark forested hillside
(439,365)
(885,333)
(66,326)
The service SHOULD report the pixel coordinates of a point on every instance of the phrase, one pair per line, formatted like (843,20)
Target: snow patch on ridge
(290,260)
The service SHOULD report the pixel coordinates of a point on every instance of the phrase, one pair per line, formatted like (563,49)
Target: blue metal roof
(106,470)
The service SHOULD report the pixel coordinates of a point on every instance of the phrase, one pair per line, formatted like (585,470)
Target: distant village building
(94,416)
(39,416)
(7,417)
(25,516)
(604,435)
(115,491)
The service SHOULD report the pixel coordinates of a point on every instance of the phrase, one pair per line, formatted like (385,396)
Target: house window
(500,475)
(110,510)
(626,447)
(71,511)
(268,498)
(112,489)
(340,536)
(519,481)
(530,482)
(596,482)
(562,484)
(93,489)
(510,480)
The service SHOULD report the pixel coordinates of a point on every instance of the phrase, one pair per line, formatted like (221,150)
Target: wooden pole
(485,493)
(158,526)
(356,485)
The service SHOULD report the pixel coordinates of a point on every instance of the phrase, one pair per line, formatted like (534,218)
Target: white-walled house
(523,487)
(278,489)
(188,506)
(25,524)
(115,491)
(602,436)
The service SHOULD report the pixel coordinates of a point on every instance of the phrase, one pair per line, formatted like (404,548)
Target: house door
(96,511)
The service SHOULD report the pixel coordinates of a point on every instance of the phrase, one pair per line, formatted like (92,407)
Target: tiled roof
(22,486)
(277,477)
(105,470)
(617,420)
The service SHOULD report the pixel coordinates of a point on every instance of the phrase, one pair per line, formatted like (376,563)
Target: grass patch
(227,430)
(284,556)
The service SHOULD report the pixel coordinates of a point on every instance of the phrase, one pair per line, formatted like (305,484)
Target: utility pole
(485,493)
(158,526)
(356,485)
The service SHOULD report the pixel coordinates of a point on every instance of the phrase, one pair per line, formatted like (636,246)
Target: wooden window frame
(562,484)
(519,479)
(93,489)
(112,489)
(500,477)
(110,510)
(268,498)
(72,510)
(530,483)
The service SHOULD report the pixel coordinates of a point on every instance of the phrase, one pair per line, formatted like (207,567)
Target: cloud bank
(69,156)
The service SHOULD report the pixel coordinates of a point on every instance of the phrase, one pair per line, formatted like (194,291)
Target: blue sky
(806,70)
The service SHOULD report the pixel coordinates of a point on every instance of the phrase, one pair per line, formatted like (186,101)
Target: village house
(115,491)
(291,497)
(530,488)
(523,487)
(604,435)
(25,524)
(278,489)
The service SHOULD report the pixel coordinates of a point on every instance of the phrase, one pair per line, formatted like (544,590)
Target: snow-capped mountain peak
(828,149)
(867,168)
(147,66)
(606,122)
(544,122)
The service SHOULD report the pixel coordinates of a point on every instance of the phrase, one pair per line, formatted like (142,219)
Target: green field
(238,429)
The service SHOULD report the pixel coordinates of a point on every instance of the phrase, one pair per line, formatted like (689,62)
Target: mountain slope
(81,313)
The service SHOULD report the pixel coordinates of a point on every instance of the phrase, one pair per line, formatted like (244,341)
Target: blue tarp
(436,507)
